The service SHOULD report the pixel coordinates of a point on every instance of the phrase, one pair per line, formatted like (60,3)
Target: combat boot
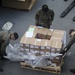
(65,0)
(1,70)
(72,70)
(74,18)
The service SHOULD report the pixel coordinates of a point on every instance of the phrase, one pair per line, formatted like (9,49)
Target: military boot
(74,18)
(72,70)
(1,70)
(65,0)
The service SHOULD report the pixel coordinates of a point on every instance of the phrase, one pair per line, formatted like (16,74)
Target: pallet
(50,69)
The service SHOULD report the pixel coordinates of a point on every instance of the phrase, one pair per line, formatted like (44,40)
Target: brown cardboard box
(48,46)
(56,46)
(58,35)
(25,40)
(35,30)
(49,34)
(37,44)
(42,33)
(18,4)
(45,31)
(43,46)
(26,43)
(56,61)
(58,32)
(32,42)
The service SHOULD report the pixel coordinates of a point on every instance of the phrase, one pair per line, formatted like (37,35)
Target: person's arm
(37,18)
(68,46)
(71,42)
(52,15)
(1,37)
(3,48)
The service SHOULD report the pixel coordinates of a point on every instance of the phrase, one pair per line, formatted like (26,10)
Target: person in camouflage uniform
(44,17)
(68,46)
(5,37)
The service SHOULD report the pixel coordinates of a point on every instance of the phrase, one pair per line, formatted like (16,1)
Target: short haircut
(71,30)
(16,35)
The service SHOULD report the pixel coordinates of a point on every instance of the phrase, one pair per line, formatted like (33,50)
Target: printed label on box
(31,46)
(42,47)
(48,53)
(27,45)
(48,48)
(58,49)
(52,49)
(36,46)
(27,49)
(53,64)
(41,52)
(32,51)
(48,62)
(36,52)
(52,58)
(57,58)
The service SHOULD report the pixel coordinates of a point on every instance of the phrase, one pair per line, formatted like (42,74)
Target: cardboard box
(48,46)
(49,34)
(27,49)
(58,35)
(45,31)
(56,46)
(32,42)
(18,4)
(42,33)
(37,44)
(43,46)
(35,28)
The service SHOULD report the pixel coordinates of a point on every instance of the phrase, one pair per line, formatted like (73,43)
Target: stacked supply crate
(19,4)
(42,41)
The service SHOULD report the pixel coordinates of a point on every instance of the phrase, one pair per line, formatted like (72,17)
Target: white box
(42,52)
(31,46)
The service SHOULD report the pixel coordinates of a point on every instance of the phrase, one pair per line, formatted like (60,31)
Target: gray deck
(22,19)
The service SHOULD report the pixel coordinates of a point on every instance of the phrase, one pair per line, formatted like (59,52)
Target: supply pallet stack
(41,41)
(19,4)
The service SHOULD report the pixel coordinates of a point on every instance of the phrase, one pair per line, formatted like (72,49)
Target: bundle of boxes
(42,41)
(18,4)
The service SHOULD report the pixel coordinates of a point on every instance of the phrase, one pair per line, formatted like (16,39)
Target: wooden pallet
(56,70)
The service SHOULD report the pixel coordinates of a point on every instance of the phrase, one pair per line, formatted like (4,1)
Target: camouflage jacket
(44,19)
(4,41)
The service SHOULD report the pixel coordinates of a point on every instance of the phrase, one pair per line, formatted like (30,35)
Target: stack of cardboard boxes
(18,4)
(44,41)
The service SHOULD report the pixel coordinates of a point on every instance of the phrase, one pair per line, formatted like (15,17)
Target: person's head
(44,8)
(72,32)
(14,36)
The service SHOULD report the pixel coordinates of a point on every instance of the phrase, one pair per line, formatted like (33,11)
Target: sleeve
(52,15)
(3,48)
(37,18)
(71,42)
(1,36)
